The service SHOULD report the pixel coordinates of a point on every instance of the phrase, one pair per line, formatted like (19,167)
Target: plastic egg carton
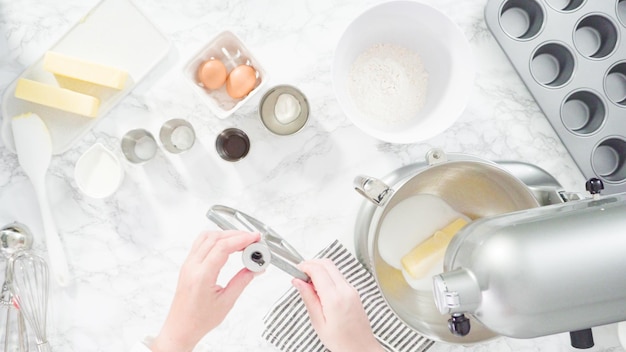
(230,49)
(571,56)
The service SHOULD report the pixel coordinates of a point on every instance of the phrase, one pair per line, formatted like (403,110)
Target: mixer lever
(581,339)
(459,324)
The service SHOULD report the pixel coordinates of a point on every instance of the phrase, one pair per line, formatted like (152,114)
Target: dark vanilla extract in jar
(232,144)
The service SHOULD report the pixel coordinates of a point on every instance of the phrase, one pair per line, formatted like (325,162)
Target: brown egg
(212,74)
(241,81)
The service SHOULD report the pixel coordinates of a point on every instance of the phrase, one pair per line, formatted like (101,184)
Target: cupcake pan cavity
(571,56)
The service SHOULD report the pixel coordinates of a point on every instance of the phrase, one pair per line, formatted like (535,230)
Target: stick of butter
(420,259)
(56,97)
(82,70)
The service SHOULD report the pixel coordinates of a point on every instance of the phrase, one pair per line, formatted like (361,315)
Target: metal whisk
(14,237)
(30,293)
(15,337)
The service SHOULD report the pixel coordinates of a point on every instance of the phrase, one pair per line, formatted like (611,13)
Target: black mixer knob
(459,324)
(594,185)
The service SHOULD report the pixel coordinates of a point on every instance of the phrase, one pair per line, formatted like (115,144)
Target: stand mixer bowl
(474,187)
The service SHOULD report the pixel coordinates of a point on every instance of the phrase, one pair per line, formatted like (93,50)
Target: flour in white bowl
(388,83)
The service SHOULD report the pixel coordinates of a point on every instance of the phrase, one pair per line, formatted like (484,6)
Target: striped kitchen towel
(287,325)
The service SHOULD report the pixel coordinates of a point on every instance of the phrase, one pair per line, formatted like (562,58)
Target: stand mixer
(542,271)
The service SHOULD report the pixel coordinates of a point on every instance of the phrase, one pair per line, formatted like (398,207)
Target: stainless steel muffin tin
(571,54)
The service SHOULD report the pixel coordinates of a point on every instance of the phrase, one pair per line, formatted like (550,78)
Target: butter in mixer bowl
(418,262)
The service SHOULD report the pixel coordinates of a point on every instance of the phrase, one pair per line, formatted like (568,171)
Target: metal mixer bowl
(475,187)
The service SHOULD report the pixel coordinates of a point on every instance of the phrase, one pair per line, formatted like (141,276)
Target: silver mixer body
(541,271)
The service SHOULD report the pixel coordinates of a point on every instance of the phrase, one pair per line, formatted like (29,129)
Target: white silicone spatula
(34,152)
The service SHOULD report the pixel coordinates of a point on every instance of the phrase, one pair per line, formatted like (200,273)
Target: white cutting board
(114,33)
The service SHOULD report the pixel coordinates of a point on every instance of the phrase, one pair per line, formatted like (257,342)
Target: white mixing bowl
(445,53)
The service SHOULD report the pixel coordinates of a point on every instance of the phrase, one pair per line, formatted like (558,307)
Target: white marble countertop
(125,251)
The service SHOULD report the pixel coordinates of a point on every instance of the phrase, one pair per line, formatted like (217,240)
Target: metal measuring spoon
(15,237)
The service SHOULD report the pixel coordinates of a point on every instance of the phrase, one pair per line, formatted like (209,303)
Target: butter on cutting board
(420,259)
(83,70)
(56,97)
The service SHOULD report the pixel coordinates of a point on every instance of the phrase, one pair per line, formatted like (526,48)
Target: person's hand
(335,309)
(200,304)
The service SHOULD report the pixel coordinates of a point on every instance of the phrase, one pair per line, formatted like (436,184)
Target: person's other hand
(200,304)
(335,309)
